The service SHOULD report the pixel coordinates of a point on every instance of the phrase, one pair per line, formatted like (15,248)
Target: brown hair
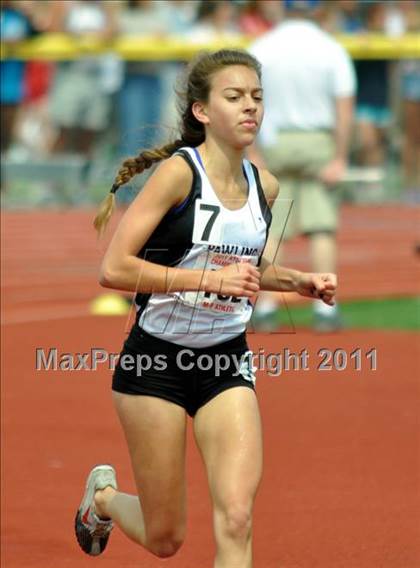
(192,133)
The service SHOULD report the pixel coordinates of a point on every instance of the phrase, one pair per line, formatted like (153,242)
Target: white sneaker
(92,533)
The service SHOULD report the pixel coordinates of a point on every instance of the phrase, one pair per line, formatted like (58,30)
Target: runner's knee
(235,520)
(165,543)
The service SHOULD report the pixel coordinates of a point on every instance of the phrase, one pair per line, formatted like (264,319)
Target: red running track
(342,474)
(341,483)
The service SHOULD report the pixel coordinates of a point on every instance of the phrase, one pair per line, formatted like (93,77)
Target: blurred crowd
(67,106)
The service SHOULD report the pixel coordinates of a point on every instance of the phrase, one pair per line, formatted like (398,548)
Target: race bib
(215,260)
(207,223)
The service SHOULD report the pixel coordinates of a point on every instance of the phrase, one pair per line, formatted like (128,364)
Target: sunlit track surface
(340,488)
(50,264)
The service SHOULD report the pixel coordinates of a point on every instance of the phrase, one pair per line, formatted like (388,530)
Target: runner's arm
(280,279)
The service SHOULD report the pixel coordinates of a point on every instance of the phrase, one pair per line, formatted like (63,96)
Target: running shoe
(265,321)
(92,533)
(328,323)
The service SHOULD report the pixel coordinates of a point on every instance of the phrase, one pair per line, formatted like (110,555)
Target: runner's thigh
(155,432)
(228,434)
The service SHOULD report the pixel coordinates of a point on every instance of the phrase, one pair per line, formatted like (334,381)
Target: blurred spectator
(80,101)
(140,99)
(373,114)
(410,11)
(348,16)
(309,83)
(216,19)
(17,24)
(35,135)
(183,15)
(410,95)
(394,18)
(410,100)
(259,16)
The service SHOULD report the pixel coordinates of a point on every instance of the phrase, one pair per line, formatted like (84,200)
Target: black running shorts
(187,376)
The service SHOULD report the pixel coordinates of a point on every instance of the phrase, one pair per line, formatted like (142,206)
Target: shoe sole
(90,545)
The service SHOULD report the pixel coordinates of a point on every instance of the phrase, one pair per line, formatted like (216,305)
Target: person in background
(309,86)
(373,114)
(410,95)
(16,24)
(410,103)
(141,95)
(216,20)
(259,16)
(80,98)
(183,14)
(348,16)
(145,103)
(35,135)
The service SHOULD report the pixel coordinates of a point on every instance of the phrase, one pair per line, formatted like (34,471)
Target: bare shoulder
(177,166)
(270,186)
(170,183)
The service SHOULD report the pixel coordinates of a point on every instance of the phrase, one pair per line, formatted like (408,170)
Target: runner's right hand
(240,279)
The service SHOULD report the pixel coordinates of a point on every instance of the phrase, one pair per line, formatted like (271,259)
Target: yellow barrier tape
(61,47)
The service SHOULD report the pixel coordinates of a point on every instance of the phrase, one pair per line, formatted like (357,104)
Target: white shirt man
(309,84)
(304,71)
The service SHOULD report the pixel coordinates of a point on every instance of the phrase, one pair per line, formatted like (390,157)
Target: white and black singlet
(202,233)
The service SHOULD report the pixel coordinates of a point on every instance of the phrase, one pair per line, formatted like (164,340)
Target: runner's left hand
(317,285)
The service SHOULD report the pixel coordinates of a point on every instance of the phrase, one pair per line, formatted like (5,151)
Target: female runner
(191,246)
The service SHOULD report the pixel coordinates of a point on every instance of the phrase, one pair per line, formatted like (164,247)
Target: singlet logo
(233,250)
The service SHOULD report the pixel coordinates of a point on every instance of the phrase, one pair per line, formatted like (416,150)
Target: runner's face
(235,109)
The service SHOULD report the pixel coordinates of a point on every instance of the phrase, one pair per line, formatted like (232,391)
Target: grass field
(393,313)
